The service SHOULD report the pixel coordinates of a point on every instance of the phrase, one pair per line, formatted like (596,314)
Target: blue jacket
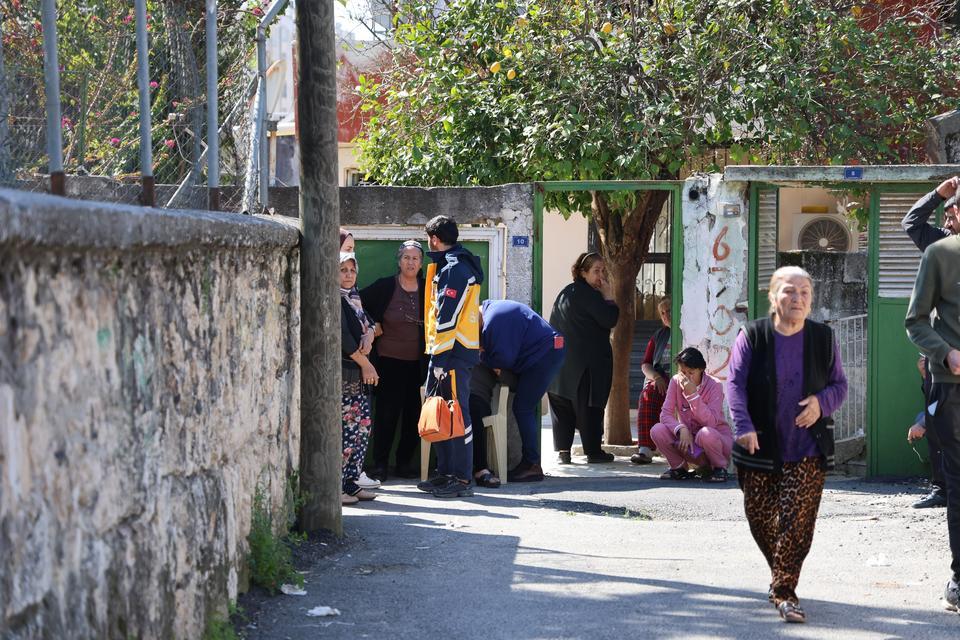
(452,308)
(513,336)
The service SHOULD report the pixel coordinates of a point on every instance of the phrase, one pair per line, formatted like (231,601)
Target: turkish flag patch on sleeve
(450,293)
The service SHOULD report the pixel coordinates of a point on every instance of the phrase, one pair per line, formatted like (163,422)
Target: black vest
(818,356)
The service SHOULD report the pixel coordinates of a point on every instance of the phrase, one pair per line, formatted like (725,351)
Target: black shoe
(641,458)
(453,488)
(378,473)
(525,472)
(717,475)
(564,457)
(935,499)
(432,483)
(603,456)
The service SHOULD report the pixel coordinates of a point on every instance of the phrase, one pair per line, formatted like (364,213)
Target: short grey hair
(779,277)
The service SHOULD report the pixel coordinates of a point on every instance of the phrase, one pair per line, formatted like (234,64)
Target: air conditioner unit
(822,233)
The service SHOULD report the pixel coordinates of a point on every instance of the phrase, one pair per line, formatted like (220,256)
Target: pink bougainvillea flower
(115,142)
(169,143)
(175,103)
(154,84)
(257,11)
(127,19)
(65,122)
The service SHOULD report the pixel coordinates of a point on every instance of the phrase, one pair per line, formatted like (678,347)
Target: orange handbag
(441,419)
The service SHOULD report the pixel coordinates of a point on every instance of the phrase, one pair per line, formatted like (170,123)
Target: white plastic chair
(497,424)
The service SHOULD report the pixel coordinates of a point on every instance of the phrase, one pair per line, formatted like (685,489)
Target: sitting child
(692,428)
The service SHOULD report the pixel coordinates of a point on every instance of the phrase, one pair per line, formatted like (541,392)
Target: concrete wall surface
(149,382)
(510,205)
(715,268)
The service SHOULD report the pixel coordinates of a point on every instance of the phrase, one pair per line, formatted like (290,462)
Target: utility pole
(320,390)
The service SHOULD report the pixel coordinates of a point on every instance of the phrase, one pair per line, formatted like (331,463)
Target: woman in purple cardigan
(785,381)
(692,427)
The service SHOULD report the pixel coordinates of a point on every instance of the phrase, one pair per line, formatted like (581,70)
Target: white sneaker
(951,596)
(367,483)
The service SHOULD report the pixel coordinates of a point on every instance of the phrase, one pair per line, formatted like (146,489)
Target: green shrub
(219,629)
(270,559)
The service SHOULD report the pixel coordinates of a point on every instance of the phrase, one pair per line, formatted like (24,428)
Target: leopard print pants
(782,511)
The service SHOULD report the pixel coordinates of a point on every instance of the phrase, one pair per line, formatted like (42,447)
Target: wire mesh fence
(851,335)
(99,97)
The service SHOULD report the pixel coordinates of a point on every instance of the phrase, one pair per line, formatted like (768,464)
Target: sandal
(677,474)
(791,612)
(717,475)
(488,480)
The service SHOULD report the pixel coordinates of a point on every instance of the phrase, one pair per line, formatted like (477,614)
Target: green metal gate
(893,392)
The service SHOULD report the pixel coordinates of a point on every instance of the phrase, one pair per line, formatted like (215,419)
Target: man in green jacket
(938,288)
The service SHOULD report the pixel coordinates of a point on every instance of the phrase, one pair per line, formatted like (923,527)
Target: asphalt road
(616,553)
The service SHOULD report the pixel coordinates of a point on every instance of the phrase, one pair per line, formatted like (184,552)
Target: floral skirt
(355,404)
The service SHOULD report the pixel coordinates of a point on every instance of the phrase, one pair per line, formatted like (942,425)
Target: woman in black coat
(396,305)
(584,314)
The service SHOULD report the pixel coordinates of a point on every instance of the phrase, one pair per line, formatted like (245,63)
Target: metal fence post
(251,175)
(260,161)
(147,197)
(213,128)
(51,74)
(263,160)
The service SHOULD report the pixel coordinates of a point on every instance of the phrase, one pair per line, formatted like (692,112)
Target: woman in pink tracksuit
(692,428)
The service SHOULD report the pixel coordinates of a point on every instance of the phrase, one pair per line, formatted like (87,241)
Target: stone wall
(149,382)
(839,281)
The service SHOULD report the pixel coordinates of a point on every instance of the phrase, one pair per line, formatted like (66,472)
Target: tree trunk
(6,157)
(625,241)
(617,421)
(320,446)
